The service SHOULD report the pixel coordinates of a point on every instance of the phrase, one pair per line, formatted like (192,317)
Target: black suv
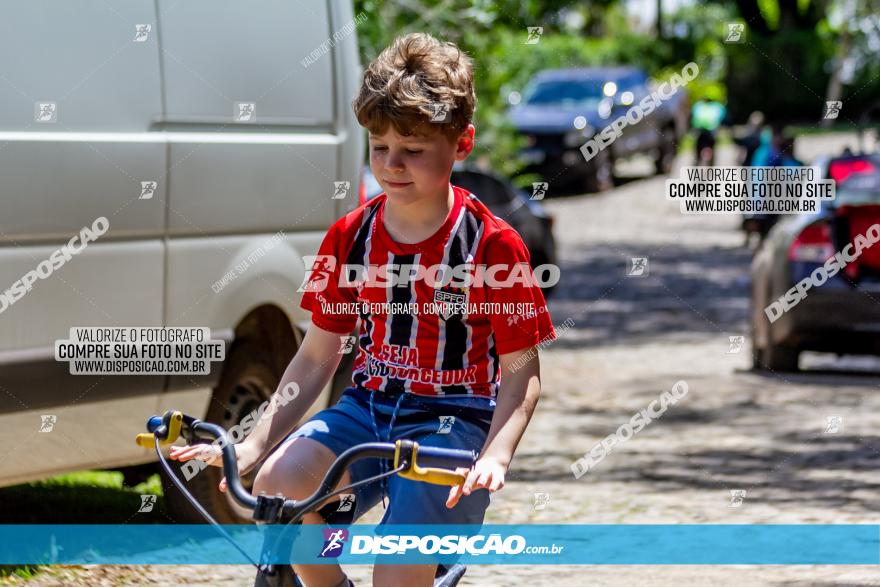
(561,110)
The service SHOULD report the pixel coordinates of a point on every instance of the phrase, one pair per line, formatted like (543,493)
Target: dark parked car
(843,314)
(528,217)
(562,109)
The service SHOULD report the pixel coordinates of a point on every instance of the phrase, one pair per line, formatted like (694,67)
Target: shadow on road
(824,471)
(686,289)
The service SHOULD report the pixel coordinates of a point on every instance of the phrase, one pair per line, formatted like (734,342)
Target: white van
(199,130)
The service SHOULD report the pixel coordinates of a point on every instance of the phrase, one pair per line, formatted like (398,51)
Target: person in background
(776,150)
(770,138)
(707,116)
(783,154)
(751,139)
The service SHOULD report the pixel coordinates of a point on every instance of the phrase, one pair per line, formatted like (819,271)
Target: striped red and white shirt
(421,352)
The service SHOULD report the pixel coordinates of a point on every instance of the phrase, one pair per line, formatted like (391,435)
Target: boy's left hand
(487,473)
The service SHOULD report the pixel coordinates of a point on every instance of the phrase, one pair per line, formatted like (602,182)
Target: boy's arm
(308,372)
(515,405)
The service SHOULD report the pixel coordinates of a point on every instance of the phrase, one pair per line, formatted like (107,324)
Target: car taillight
(812,245)
(859,220)
(842,169)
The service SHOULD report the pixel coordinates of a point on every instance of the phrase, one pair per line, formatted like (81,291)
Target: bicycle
(166,429)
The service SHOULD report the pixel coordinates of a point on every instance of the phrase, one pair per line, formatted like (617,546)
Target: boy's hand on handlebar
(207,453)
(213,455)
(487,473)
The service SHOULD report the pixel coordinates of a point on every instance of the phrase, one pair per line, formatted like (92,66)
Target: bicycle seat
(449,576)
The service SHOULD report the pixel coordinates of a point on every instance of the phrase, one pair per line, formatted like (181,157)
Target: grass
(20,571)
(93,497)
(83,497)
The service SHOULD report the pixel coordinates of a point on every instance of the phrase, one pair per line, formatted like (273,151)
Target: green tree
(804,50)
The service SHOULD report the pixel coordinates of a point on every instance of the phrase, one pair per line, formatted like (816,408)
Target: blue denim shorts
(419,418)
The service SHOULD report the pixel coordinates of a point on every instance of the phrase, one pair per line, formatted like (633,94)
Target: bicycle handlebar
(406,454)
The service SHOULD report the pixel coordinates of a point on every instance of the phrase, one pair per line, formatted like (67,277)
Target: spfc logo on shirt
(451,302)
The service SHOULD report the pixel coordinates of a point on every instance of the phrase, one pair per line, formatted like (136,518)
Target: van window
(76,66)
(216,53)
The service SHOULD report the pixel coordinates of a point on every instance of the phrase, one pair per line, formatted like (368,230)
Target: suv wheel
(780,358)
(665,152)
(600,175)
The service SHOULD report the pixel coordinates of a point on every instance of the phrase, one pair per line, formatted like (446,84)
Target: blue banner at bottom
(556,544)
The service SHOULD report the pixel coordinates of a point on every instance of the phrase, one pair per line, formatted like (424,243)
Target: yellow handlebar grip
(145,440)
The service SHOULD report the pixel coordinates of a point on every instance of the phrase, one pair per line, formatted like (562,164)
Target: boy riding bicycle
(432,373)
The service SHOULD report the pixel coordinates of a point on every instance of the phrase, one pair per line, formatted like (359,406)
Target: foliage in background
(792,49)
(766,84)
(495,33)
(801,45)
(696,33)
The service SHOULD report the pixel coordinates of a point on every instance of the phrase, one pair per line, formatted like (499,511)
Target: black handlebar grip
(447,458)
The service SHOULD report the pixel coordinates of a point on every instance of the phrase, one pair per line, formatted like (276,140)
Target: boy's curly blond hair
(405,84)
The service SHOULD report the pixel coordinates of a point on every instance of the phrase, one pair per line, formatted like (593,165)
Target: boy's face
(416,167)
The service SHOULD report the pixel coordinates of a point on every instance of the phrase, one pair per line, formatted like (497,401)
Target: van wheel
(249,378)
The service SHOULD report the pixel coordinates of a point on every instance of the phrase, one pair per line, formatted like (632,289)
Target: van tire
(249,378)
